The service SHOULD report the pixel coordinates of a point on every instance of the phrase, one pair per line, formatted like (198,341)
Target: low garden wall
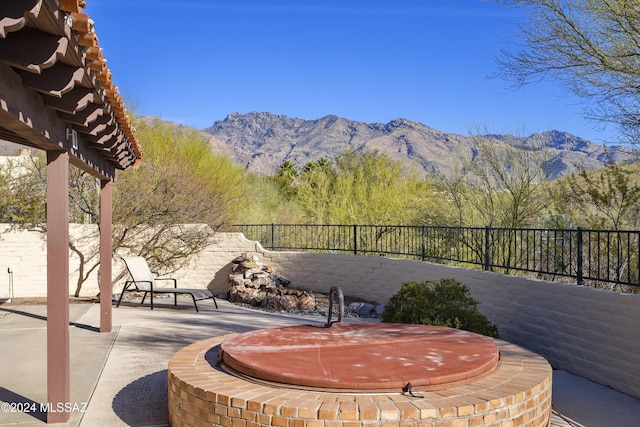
(592,333)
(589,332)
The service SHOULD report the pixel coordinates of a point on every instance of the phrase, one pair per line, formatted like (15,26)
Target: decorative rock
(361,308)
(235,279)
(280,302)
(282,281)
(306,302)
(248,265)
(262,281)
(354,307)
(255,284)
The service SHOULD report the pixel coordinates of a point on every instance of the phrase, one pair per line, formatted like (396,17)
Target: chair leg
(194,303)
(214,301)
(124,289)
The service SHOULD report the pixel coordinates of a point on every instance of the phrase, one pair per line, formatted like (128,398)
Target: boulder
(306,302)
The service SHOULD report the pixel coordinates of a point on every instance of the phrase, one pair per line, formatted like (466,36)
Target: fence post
(487,258)
(424,249)
(273,237)
(579,255)
(355,239)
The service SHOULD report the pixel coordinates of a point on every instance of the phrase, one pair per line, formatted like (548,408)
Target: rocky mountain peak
(262,141)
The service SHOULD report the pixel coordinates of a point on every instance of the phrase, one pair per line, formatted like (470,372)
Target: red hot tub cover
(373,357)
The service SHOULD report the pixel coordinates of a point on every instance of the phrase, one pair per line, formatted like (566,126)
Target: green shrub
(440,303)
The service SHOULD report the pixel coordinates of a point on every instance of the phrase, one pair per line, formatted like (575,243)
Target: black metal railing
(581,255)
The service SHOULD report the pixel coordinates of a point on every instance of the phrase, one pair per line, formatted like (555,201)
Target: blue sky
(431,61)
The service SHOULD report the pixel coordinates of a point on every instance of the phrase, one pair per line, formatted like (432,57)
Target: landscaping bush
(440,303)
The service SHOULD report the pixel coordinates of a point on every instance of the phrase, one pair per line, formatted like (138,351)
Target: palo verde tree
(169,209)
(607,198)
(591,46)
(364,188)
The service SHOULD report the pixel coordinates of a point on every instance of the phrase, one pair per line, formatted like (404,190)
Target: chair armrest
(135,284)
(175,282)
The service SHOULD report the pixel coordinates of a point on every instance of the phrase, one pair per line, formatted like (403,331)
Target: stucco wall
(589,332)
(25,253)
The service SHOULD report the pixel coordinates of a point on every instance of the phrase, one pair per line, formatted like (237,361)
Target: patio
(120,378)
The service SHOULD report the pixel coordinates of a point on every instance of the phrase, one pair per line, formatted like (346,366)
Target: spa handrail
(335,290)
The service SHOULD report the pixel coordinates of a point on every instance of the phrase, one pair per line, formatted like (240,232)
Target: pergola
(57,95)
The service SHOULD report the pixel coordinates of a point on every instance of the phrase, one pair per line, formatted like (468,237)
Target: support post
(355,239)
(106,220)
(273,237)
(58,349)
(579,257)
(424,243)
(487,248)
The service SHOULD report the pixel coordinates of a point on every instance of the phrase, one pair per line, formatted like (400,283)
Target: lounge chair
(142,280)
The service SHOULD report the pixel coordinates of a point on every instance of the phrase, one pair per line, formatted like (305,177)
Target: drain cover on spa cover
(360,356)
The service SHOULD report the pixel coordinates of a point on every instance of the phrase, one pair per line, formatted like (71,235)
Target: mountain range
(261,141)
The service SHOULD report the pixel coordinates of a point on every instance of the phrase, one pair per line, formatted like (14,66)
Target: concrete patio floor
(119,378)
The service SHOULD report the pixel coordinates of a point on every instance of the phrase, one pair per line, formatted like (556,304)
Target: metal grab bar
(332,292)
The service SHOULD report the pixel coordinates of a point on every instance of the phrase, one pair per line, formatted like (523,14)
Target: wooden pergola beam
(57,95)
(23,112)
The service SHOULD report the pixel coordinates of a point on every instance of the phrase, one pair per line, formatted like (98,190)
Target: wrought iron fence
(581,255)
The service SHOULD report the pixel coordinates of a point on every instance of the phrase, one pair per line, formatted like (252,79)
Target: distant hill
(12,149)
(262,141)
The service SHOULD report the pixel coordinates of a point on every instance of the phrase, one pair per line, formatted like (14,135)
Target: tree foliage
(22,191)
(499,186)
(265,201)
(440,303)
(606,198)
(286,178)
(590,46)
(365,188)
(169,209)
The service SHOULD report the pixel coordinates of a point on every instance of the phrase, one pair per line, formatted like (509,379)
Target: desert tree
(361,188)
(315,192)
(499,185)
(264,202)
(23,194)
(592,47)
(22,191)
(167,210)
(607,198)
